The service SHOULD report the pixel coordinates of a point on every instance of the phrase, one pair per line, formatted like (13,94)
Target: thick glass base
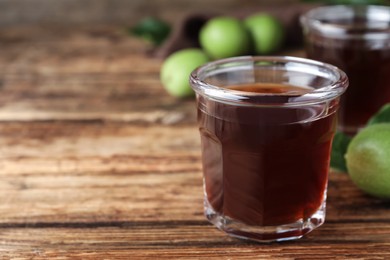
(263,234)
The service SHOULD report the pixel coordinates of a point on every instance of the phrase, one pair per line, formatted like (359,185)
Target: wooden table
(98,162)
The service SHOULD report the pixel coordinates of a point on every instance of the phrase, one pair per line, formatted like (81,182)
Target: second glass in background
(357,40)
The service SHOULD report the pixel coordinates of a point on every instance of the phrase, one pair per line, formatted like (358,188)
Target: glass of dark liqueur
(357,40)
(266,126)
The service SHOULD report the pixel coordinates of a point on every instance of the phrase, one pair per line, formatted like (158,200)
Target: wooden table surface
(98,162)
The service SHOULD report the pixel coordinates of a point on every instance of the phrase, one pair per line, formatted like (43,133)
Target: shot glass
(266,127)
(357,40)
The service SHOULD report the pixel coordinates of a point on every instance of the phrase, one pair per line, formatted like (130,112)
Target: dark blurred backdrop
(80,12)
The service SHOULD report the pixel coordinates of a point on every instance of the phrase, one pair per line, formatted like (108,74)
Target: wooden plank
(85,74)
(80,139)
(186,241)
(83,172)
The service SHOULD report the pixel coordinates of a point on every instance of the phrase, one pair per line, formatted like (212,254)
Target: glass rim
(236,97)
(322,20)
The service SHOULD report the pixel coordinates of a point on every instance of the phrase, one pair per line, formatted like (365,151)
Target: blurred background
(74,12)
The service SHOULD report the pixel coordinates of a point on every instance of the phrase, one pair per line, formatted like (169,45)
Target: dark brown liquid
(283,90)
(265,166)
(367,64)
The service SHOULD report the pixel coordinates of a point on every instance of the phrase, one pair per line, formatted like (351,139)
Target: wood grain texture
(91,74)
(98,162)
(63,196)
